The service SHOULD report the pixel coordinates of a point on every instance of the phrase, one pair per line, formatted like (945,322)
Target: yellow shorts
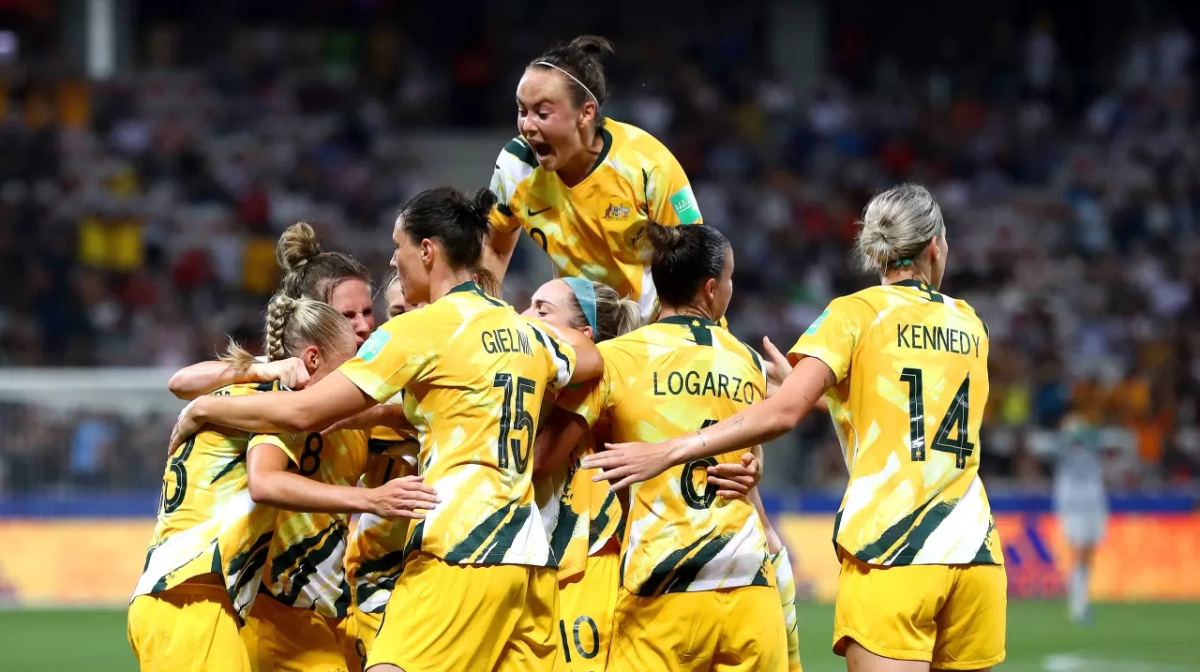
(739,629)
(353,648)
(951,616)
(359,630)
(467,618)
(291,639)
(585,613)
(188,628)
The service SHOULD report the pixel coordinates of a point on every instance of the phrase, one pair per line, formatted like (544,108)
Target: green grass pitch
(1122,638)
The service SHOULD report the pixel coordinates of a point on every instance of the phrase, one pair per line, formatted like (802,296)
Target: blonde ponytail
(897,225)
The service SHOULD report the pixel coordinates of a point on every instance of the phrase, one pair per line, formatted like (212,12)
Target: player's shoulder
(629,139)
(965,308)
(516,159)
(736,346)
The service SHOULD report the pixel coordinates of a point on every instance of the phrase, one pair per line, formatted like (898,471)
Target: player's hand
(290,372)
(624,464)
(778,366)
(735,479)
(404,497)
(186,425)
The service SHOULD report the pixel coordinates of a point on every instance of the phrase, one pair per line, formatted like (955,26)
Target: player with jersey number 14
(904,369)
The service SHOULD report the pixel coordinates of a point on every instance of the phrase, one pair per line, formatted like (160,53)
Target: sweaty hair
(447,215)
(897,226)
(581,59)
(309,271)
(684,258)
(614,315)
(292,325)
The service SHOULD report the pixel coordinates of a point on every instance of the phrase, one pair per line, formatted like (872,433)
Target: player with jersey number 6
(904,369)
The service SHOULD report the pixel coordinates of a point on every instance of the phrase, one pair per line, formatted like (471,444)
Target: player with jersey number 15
(904,369)
(583,185)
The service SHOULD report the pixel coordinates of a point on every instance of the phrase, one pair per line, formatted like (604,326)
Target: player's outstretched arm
(626,463)
(312,409)
(199,379)
(270,482)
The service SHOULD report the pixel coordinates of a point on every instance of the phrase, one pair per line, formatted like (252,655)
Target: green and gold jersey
(660,381)
(474,374)
(595,229)
(207,522)
(582,514)
(305,562)
(912,384)
(375,556)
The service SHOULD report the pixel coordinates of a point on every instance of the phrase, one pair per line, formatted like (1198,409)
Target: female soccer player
(1082,508)
(210,544)
(922,579)
(584,515)
(583,186)
(697,584)
(474,374)
(308,272)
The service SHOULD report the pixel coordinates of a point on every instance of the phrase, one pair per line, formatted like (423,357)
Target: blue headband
(585,294)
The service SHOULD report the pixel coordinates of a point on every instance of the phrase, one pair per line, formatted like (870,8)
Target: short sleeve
(834,335)
(290,444)
(399,352)
(587,400)
(514,164)
(562,357)
(669,196)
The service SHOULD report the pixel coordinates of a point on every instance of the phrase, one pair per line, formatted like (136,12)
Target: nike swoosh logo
(531,213)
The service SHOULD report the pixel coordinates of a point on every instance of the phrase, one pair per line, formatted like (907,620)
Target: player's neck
(902,274)
(685,311)
(578,168)
(441,281)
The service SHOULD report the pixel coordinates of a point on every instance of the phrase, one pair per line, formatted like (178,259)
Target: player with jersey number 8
(904,369)
(582,185)
(475,374)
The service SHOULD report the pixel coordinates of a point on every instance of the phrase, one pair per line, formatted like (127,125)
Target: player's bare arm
(626,463)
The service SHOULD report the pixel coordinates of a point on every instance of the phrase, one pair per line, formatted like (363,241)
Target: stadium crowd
(138,217)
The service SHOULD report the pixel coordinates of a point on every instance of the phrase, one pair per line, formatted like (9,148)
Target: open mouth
(542,149)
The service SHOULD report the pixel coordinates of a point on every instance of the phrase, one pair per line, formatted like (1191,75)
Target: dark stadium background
(145,176)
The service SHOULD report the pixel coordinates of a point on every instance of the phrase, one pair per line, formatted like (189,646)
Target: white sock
(1077,592)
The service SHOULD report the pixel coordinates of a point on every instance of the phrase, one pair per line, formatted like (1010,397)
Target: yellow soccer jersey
(474,374)
(206,520)
(595,228)
(305,563)
(660,381)
(375,556)
(588,515)
(912,383)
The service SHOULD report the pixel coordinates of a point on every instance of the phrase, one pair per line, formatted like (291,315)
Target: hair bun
(296,247)
(593,46)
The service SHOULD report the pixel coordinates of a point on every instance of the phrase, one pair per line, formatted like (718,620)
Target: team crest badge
(618,212)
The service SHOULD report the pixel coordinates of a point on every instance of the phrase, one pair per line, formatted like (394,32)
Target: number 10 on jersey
(955,421)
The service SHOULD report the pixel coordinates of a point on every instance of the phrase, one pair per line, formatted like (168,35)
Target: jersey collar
(689,321)
(910,282)
(603,151)
(468,286)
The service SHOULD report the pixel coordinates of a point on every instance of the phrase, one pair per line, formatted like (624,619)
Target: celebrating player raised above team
(582,185)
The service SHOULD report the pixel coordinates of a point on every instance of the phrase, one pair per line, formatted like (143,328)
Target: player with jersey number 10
(582,185)
(697,584)
(904,369)
(478,588)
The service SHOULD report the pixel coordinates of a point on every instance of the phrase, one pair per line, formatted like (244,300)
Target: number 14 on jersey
(955,421)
